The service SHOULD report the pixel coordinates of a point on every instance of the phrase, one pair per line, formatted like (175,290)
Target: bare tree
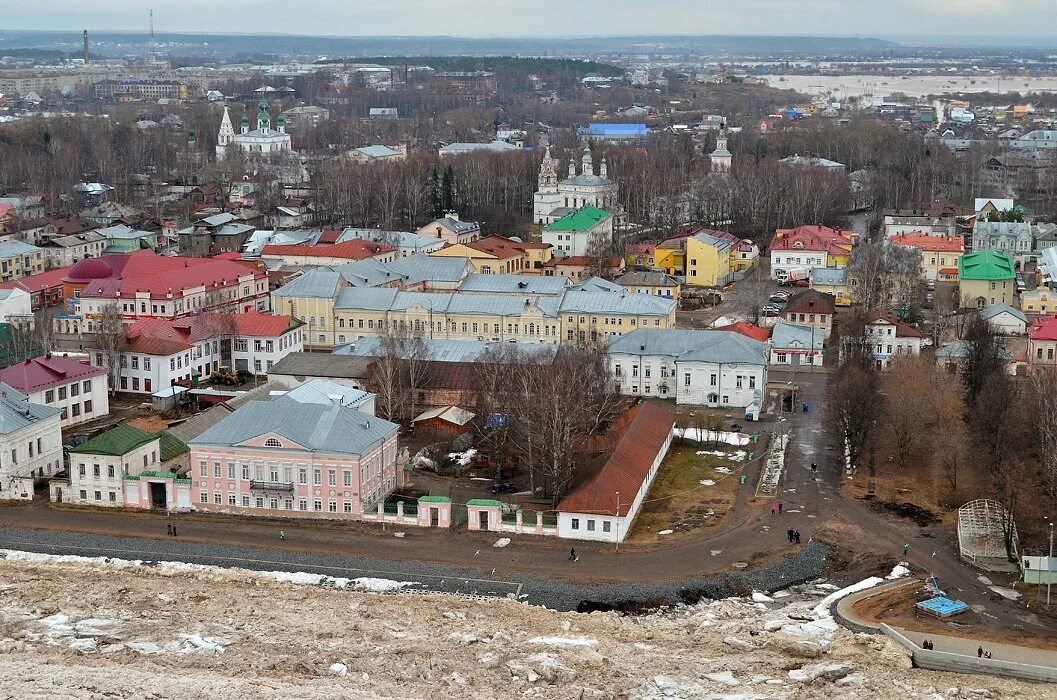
(985,356)
(753,293)
(109,342)
(387,378)
(1044,413)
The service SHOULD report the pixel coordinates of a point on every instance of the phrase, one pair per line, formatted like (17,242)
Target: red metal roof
(351,250)
(822,238)
(748,330)
(257,325)
(637,437)
(932,244)
(51,279)
(330,236)
(45,372)
(810,301)
(144,271)
(903,330)
(1044,329)
(162,336)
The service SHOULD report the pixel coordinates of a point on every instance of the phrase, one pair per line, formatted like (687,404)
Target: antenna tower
(152,52)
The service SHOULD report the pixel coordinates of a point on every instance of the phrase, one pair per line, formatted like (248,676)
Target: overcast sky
(545,17)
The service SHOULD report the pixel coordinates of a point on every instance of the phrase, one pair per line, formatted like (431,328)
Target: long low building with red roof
(625,462)
(326,253)
(45,288)
(145,285)
(157,351)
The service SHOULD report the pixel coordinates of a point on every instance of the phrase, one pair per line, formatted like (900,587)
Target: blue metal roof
(625,130)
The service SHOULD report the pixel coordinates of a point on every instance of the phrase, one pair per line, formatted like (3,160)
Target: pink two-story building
(316,455)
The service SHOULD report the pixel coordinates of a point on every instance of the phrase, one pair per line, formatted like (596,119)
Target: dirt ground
(896,607)
(94,629)
(681,498)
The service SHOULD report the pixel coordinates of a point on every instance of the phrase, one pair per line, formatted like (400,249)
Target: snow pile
(300,578)
(702,435)
(736,456)
(501,542)
(707,482)
(564,641)
(898,571)
(463,458)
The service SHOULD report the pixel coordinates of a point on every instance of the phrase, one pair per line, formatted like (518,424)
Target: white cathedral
(556,199)
(261,141)
(721,157)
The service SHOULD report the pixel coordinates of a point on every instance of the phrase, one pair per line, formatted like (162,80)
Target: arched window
(272,442)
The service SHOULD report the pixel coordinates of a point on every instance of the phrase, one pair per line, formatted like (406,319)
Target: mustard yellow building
(650,282)
(832,280)
(708,261)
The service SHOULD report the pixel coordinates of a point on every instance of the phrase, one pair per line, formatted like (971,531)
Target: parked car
(778,299)
(504,488)
(931,285)
(771,311)
(803,283)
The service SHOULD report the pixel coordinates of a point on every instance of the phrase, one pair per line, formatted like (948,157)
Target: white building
(158,352)
(15,305)
(1005,319)
(77,390)
(582,232)
(793,345)
(262,141)
(30,443)
(555,199)
(1008,237)
(721,158)
(890,339)
(709,368)
(124,467)
(63,251)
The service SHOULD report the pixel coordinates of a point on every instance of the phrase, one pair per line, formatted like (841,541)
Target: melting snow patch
(463,458)
(898,571)
(665,532)
(723,470)
(339,669)
(707,482)
(822,609)
(502,542)
(380,585)
(564,641)
(699,435)
(1007,593)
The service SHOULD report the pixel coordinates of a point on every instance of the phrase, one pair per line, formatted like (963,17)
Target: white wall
(72,398)
(17,303)
(109,484)
(22,469)
(649,375)
(261,360)
(785,259)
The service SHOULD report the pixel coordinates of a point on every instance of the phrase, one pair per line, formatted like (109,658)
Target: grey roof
(377,151)
(426,268)
(647,278)
(504,305)
(16,412)
(72,240)
(442,350)
(463,147)
(586,181)
(597,284)
(120,231)
(399,239)
(233,229)
(996,309)
(608,302)
(199,423)
(317,364)
(1002,228)
(317,283)
(959,348)
(719,244)
(366,298)
(11,249)
(218,219)
(457,225)
(513,284)
(431,301)
(828,275)
(323,391)
(691,346)
(310,426)
(793,335)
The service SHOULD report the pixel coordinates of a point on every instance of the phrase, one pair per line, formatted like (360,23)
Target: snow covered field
(90,628)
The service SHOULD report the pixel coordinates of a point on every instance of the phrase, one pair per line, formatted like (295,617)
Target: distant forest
(543,67)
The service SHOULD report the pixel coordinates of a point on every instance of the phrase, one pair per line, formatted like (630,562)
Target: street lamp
(1049,568)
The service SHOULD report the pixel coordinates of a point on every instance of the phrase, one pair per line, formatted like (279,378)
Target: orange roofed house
(809,247)
(496,255)
(623,465)
(145,285)
(939,254)
(328,253)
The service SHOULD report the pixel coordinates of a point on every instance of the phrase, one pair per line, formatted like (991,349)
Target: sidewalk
(968,647)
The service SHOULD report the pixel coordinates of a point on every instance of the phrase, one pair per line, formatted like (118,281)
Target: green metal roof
(434,499)
(487,502)
(582,219)
(986,265)
(117,441)
(170,446)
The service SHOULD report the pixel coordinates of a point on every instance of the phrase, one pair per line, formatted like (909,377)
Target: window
(62,393)
(49,396)
(113,497)
(712,380)
(317,506)
(781,357)
(737,381)
(575,524)
(590,525)
(231,470)
(203,470)
(98,495)
(752,382)
(84,495)
(203,497)
(146,365)
(606,526)
(686,379)
(110,470)
(231,499)
(216,468)
(95,470)
(76,410)
(88,406)
(317,477)
(272,442)
(302,477)
(218,499)
(332,506)
(348,478)
(302,505)
(348,507)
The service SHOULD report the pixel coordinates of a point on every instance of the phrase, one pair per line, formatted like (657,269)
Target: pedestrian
(796,536)
(906,548)
(924,644)
(980,652)
(282,534)
(774,508)
(174,530)
(168,529)
(780,506)
(932,645)
(789,533)
(987,655)
(572,554)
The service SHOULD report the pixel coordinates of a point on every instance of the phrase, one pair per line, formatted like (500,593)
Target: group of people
(794,535)
(926,644)
(981,654)
(172,530)
(777,507)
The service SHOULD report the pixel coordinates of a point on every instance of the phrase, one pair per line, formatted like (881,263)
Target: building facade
(30,444)
(78,391)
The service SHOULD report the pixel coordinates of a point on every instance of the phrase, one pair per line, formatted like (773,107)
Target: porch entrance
(482,519)
(434,517)
(157,495)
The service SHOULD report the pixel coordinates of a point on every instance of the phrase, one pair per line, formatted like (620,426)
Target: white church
(555,199)
(261,141)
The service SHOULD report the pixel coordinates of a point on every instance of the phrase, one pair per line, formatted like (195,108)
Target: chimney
(85,37)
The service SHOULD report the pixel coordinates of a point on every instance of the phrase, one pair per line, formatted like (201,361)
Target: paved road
(969,647)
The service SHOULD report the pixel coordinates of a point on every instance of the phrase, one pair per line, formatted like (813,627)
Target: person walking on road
(174,530)
(774,508)
(980,652)
(796,536)
(906,548)
(789,533)
(780,506)
(572,553)
(168,529)
(282,534)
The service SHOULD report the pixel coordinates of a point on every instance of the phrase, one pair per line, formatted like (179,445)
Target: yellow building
(670,258)
(650,282)
(707,261)
(834,281)
(939,254)
(986,278)
(1038,301)
(496,255)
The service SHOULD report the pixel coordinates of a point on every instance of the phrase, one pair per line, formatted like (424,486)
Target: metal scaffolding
(982,526)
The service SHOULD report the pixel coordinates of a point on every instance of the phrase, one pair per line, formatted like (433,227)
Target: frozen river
(845,86)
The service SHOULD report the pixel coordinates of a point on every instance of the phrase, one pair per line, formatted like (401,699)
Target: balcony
(272,486)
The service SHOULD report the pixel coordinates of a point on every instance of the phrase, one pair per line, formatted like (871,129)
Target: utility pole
(1049,568)
(618,537)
